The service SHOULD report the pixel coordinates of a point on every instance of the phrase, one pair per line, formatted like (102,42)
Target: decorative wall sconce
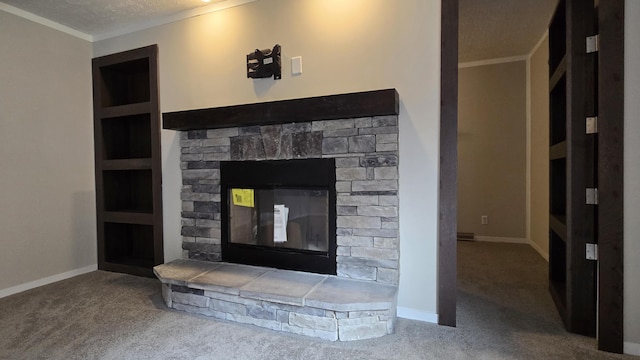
(265,63)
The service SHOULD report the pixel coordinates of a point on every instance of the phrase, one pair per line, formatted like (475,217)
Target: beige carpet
(504,312)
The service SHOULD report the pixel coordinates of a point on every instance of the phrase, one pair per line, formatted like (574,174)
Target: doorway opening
(610,215)
(503,187)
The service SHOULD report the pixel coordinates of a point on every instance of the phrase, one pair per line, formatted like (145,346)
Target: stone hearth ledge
(323,306)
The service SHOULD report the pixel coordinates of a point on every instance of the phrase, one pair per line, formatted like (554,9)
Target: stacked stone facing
(322,306)
(319,323)
(366,152)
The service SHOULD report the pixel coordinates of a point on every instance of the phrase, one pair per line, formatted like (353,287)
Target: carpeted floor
(504,312)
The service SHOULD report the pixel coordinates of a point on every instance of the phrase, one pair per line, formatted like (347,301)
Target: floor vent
(462,236)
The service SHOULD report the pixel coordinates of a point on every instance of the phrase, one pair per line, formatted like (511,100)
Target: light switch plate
(296,65)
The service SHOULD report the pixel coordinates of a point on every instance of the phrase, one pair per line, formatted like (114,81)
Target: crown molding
(141,25)
(44,21)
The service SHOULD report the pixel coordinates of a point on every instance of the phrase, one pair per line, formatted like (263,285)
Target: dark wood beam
(448,198)
(610,175)
(331,107)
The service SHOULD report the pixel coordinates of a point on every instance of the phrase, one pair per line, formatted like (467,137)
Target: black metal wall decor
(264,63)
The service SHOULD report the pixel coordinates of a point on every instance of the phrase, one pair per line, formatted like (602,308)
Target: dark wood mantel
(331,107)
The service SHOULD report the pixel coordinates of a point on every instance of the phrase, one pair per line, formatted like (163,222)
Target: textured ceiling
(95,17)
(491,29)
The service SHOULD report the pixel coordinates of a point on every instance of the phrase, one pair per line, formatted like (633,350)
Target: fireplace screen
(284,218)
(279,213)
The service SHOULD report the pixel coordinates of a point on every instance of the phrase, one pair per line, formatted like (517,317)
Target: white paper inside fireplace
(280,220)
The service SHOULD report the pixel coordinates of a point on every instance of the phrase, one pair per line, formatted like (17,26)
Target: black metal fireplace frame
(273,174)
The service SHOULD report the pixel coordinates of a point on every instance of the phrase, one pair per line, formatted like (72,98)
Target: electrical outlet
(484,219)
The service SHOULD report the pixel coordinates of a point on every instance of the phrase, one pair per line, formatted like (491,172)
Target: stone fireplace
(365,151)
(330,165)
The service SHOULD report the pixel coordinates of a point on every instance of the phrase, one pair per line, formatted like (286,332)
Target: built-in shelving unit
(571,165)
(127,161)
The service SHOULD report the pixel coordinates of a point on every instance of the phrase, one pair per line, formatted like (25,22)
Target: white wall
(47,197)
(346,46)
(492,142)
(632,178)
(539,148)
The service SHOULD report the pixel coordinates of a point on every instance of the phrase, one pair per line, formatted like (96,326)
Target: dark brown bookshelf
(128,161)
(571,165)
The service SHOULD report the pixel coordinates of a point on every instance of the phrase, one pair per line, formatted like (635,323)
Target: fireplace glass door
(283,218)
(279,213)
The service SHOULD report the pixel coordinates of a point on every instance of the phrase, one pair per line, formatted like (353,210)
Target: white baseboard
(539,250)
(631,348)
(502,239)
(514,241)
(413,314)
(45,281)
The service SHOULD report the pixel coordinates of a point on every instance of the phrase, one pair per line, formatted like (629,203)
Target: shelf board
(125,110)
(127,164)
(133,266)
(128,217)
(126,56)
(558,223)
(331,107)
(558,151)
(558,73)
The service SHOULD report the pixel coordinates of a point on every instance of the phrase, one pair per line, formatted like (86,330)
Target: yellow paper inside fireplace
(242,197)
